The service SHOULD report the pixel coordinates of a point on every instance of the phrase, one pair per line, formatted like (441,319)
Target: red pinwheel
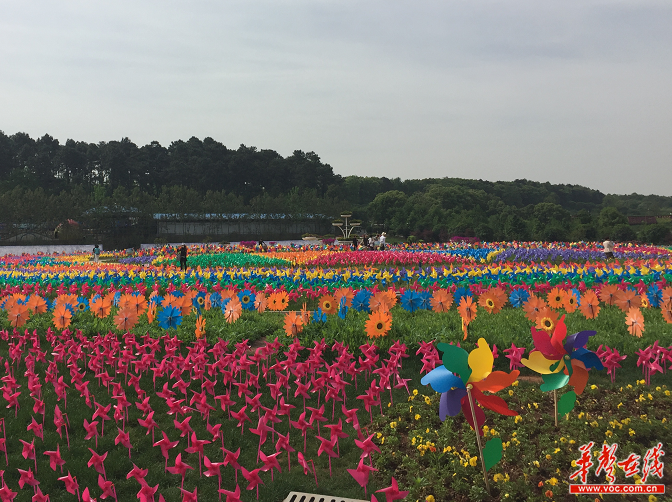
(392,492)
(514,355)
(197,447)
(254,479)
(55,458)
(327,446)
(165,444)
(361,474)
(86,496)
(146,493)
(242,417)
(303,426)
(7,495)
(71,484)
(39,496)
(97,461)
(102,413)
(337,431)
(179,468)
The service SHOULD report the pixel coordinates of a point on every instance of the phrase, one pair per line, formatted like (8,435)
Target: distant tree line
(43,182)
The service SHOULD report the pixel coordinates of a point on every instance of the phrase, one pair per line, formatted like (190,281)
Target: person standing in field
(609,249)
(96,253)
(382,241)
(183,257)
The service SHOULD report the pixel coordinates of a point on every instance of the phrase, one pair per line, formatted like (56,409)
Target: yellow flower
(573,463)
(497,478)
(393,425)
(518,419)
(667,392)
(658,388)
(552,481)
(548,457)
(593,387)
(379,435)
(415,392)
(417,416)
(653,498)
(631,432)
(571,441)
(413,441)
(447,449)
(427,400)
(515,384)
(429,498)
(473,461)
(510,392)
(581,415)
(609,434)
(619,405)
(536,463)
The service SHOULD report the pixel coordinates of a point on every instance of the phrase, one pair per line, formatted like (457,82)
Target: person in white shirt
(609,248)
(382,241)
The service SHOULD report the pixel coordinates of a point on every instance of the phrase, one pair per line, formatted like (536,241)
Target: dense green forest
(44,182)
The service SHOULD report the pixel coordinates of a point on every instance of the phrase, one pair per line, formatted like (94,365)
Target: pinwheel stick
(4,435)
(478,437)
(555,405)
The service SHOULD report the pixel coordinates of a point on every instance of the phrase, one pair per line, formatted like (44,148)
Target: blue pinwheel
(170,317)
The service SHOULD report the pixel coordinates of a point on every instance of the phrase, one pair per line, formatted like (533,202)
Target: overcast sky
(567,91)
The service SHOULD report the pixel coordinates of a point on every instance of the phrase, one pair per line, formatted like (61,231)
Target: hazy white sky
(571,91)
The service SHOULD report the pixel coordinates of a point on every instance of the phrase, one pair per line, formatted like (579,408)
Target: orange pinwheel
(666,310)
(380,301)
(126,318)
(101,307)
(590,305)
(467,309)
(327,304)
(608,294)
(555,298)
(532,307)
(62,317)
(635,322)
(378,324)
(346,293)
(546,319)
(18,315)
(233,309)
(37,304)
(139,304)
(570,301)
(65,299)
(151,313)
(667,294)
(293,323)
(200,327)
(278,300)
(260,302)
(441,300)
(493,300)
(628,299)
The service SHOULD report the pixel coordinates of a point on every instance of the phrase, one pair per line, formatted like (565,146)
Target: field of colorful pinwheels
(326,370)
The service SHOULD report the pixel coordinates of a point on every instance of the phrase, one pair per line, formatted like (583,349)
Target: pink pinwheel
(611,360)
(514,355)
(86,496)
(138,474)
(144,406)
(270,462)
(146,493)
(337,431)
(392,492)
(55,458)
(36,428)
(254,479)
(225,402)
(39,496)
(283,444)
(123,438)
(71,484)
(107,487)
(233,496)
(91,430)
(7,495)
(213,469)
(327,446)
(351,417)
(179,468)
(149,423)
(242,417)
(102,413)
(306,468)
(262,430)
(361,474)
(28,451)
(165,444)
(60,421)
(189,496)
(231,459)
(197,447)
(303,426)
(97,461)
(367,446)
(184,427)
(27,478)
